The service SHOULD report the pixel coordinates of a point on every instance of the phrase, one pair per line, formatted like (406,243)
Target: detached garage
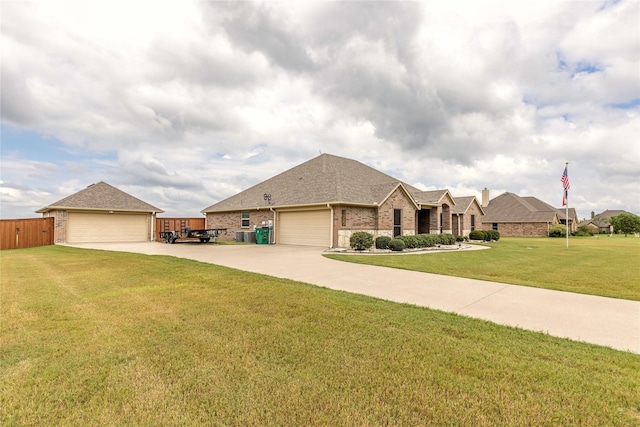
(101,213)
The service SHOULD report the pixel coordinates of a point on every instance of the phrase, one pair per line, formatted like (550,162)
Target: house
(466,215)
(599,224)
(323,201)
(573,218)
(101,213)
(513,215)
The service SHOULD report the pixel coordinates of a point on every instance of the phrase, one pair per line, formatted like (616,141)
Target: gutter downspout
(331,225)
(273,238)
(153,226)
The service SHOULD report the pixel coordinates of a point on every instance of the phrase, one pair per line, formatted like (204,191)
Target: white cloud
(194,101)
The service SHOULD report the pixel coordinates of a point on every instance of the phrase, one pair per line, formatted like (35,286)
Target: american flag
(565,179)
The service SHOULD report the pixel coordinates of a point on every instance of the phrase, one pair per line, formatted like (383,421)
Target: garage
(85,227)
(307,228)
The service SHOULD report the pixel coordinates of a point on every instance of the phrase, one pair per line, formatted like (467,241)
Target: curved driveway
(604,321)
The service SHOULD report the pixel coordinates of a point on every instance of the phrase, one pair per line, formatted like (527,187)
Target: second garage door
(307,228)
(105,227)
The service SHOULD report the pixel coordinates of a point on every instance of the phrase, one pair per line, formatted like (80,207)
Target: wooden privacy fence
(178,224)
(26,233)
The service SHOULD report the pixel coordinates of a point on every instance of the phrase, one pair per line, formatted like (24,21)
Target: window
(344,217)
(495,226)
(245,219)
(397,222)
(473,222)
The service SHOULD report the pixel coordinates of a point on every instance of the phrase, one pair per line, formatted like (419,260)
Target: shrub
(476,235)
(447,239)
(361,240)
(396,245)
(459,238)
(382,242)
(490,235)
(583,231)
(409,241)
(557,230)
(426,240)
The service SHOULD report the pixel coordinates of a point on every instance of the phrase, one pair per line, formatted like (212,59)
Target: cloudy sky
(183,104)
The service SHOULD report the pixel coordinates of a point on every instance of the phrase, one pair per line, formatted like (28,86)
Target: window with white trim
(245,219)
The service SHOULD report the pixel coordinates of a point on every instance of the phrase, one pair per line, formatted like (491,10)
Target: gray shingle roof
(432,197)
(101,196)
(321,180)
(463,204)
(509,207)
(602,219)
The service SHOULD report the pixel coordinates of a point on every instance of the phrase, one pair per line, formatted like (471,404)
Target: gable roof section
(509,207)
(464,203)
(433,197)
(321,180)
(573,215)
(101,196)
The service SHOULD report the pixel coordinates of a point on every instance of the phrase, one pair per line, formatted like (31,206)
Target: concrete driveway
(604,321)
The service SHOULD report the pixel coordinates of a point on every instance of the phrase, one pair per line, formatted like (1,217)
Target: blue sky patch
(628,105)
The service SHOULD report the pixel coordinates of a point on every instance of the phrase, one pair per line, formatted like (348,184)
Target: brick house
(467,216)
(101,213)
(323,201)
(600,223)
(513,215)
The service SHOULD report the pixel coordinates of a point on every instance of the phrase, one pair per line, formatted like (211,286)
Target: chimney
(485,198)
(593,214)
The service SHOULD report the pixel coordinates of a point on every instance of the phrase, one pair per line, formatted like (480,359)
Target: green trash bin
(262,236)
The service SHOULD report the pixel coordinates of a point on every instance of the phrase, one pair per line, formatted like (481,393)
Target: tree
(626,223)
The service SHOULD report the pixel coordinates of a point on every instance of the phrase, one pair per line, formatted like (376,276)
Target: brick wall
(520,229)
(60,225)
(232,221)
(397,200)
(354,219)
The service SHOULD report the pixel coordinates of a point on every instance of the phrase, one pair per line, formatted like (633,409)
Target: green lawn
(105,338)
(604,266)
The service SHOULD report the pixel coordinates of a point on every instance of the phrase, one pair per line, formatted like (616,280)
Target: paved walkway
(604,321)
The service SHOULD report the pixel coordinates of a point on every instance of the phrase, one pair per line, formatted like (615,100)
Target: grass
(105,338)
(603,266)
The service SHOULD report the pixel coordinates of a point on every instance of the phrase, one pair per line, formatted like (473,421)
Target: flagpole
(566,216)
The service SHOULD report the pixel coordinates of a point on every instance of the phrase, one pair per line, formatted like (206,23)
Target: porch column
(446,219)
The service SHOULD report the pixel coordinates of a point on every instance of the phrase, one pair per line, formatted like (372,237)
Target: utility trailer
(189,235)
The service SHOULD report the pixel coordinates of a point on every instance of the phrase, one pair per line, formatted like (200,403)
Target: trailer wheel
(205,239)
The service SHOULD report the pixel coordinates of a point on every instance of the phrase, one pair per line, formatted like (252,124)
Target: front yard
(103,338)
(604,266)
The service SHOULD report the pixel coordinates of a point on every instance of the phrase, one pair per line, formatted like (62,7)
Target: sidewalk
(598,320)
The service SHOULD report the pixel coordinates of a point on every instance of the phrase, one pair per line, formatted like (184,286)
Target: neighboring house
(599,223)
(323,201)
(573,218)
(467,215)
(513,215)
(101,213)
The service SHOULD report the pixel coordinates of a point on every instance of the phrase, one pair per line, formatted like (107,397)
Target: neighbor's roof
(602,219)
(509,207)
(325,179)
(101,196)
(464,203)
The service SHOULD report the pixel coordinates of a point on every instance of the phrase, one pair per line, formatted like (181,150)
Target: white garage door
(100,227)
(308,228)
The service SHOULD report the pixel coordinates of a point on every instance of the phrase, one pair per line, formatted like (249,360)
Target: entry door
(397,222)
